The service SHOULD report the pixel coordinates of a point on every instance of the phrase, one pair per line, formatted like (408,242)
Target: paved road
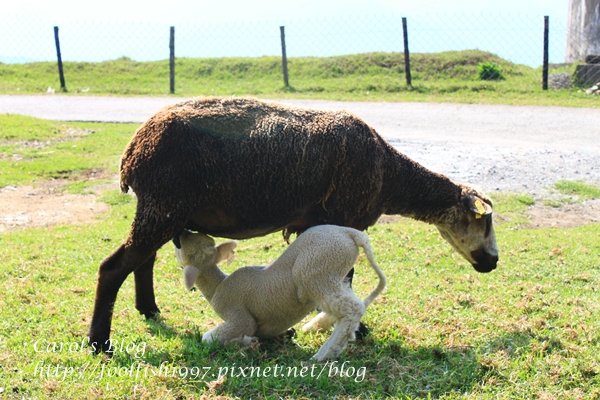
(507,148)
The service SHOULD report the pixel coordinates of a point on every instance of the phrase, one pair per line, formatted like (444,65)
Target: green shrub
(489,71)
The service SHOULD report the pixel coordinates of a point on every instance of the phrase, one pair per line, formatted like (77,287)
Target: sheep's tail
(124,187)
(362,240)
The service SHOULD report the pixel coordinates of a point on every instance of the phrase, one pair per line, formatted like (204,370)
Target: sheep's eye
(488,225)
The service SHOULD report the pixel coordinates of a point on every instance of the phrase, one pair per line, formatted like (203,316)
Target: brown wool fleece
(238,167)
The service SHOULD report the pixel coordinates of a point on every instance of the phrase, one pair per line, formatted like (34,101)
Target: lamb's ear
(190,274)
(225,251)
(477,206)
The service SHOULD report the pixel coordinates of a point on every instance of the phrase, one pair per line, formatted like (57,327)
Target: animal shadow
(389,367)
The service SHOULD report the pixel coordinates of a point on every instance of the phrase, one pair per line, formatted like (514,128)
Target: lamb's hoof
(251,342)
(362,332)
(208,338)
(322,356)
(290,334)
(284,337)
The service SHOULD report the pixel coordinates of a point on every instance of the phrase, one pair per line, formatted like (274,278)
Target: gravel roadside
(496,147)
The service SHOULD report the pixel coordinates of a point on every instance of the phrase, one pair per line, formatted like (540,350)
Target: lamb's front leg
(216,335)
(238,329)
(347,309)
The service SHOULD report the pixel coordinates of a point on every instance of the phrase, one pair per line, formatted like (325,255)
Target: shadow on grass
(371,368)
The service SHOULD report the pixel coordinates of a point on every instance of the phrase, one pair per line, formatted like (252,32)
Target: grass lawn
(436,77)
(530,329)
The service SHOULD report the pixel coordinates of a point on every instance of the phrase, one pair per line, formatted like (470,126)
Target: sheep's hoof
(151,315)
(101,347)
(362,331)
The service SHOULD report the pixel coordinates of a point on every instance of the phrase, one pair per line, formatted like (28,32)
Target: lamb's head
(198,253)
(468,227)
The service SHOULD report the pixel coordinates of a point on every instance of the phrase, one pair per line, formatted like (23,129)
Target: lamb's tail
(362,240)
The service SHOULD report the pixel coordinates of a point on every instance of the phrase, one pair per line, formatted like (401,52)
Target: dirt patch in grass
(46,205)
(542,216)
(567,215)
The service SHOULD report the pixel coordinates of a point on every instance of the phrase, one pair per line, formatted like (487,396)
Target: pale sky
(187,11)
(108,29)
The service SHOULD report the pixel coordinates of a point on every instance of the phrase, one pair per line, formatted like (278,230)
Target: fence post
(545,65)
(284,65)
(406,54)
(61,74)
(172,60)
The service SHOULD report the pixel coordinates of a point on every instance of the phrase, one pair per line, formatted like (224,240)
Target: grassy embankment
(437,77)
(530,329)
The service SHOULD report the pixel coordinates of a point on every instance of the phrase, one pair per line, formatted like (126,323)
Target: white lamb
(266,301)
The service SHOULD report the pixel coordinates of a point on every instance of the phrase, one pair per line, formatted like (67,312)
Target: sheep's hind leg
(347,309)
(113,272)
(145,302)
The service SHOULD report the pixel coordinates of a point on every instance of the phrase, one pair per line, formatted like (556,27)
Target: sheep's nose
(484,261)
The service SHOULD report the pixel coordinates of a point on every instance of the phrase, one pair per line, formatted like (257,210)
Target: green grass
(572,192)
(530,329)
(447,76)
(511,207)
(580,189)
(33,149)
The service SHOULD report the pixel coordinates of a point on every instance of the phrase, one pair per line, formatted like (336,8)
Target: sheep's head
(197,252)
(468,227)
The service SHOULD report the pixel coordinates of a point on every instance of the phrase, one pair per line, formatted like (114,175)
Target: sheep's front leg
(347,309)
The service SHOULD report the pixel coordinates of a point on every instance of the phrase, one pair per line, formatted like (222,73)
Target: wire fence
(518,39)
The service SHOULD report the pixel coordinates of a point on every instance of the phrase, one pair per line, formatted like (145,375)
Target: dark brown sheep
(241,168)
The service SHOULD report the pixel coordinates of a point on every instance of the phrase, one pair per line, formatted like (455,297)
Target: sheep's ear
(176,242)
(190,274)
(477,206)
(225,251)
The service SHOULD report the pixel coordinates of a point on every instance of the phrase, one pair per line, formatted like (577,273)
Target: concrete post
(583,37)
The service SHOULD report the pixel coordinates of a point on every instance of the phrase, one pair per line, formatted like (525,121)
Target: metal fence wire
(516,38)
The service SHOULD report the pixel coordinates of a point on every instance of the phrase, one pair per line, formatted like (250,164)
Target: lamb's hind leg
(321,322)
(347,309)
(150,230)
(363,330)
